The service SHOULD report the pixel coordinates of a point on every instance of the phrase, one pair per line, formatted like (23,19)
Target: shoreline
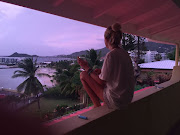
(7,67)
(9,90)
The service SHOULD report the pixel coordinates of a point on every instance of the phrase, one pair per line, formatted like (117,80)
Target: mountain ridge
(151,46)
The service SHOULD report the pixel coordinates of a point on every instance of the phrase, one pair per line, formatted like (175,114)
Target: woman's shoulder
(108,54)
(117,51)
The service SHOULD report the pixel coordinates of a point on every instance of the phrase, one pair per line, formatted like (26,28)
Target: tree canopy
(158,57)
(31,85)
(28,69)
(172,55)
(93,58)
(68,74)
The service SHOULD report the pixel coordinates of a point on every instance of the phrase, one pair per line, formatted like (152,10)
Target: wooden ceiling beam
(138,12)
(165,29)
(165,25)
(56,3)
(159,19)
(106,6)
(173,34)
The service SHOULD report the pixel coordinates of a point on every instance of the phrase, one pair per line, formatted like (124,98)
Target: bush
(163,77)
(61,109)
(149,78)
(138,87)
(53,92)
(76,107)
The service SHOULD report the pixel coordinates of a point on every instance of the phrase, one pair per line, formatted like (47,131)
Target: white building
(148,56)
(8,60)
(164,56)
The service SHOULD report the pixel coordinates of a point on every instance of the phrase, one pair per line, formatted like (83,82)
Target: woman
(114,84)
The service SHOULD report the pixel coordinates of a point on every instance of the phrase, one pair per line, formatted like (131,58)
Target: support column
(177,55)
(176,70)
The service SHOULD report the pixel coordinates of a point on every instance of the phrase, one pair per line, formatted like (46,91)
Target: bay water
(7,82)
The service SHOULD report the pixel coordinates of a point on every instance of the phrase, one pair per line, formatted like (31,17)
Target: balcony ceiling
(158,20)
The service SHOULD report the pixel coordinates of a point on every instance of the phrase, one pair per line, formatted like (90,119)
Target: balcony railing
(152,112)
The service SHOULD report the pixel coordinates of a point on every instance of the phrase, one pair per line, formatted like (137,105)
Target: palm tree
(60,67)
(68,75)
(70,82)
(57,74)
(67,78)
(31,85)
(158,57)
(128,42)
(93,58)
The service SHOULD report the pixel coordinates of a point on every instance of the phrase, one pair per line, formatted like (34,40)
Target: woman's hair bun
(116,27)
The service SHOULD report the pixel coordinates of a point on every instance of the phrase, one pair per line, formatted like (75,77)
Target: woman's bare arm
(93,74)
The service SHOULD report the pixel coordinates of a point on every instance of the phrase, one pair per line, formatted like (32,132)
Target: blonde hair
(113,34)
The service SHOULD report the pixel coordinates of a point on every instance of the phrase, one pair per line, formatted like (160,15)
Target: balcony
(152,112)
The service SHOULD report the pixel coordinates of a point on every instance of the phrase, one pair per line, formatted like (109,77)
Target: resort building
(158,66)
(148,56)
(165,64)
(9,60)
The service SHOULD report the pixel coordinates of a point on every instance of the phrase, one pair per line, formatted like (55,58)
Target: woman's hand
(97,71)
(83,63)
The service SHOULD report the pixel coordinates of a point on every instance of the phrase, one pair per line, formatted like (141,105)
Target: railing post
(177,55)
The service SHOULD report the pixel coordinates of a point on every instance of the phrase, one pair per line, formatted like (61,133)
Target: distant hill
(104,51)
(76,54)
(152,46)
(21,55)
(161,48)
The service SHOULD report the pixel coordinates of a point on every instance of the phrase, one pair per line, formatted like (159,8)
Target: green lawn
(47,105)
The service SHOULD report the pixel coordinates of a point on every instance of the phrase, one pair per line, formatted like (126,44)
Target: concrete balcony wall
(151,113)
(176,74)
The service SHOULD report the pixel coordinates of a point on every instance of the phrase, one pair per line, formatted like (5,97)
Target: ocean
(6,73)
(7,82)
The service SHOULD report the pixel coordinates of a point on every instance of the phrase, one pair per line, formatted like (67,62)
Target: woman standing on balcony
(114,84)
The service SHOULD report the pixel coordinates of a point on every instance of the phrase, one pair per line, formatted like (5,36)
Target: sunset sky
(29,31)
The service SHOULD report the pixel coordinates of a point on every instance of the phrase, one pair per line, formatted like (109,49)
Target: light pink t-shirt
(118,73)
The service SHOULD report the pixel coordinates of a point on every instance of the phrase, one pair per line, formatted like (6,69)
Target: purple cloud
(29,31)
